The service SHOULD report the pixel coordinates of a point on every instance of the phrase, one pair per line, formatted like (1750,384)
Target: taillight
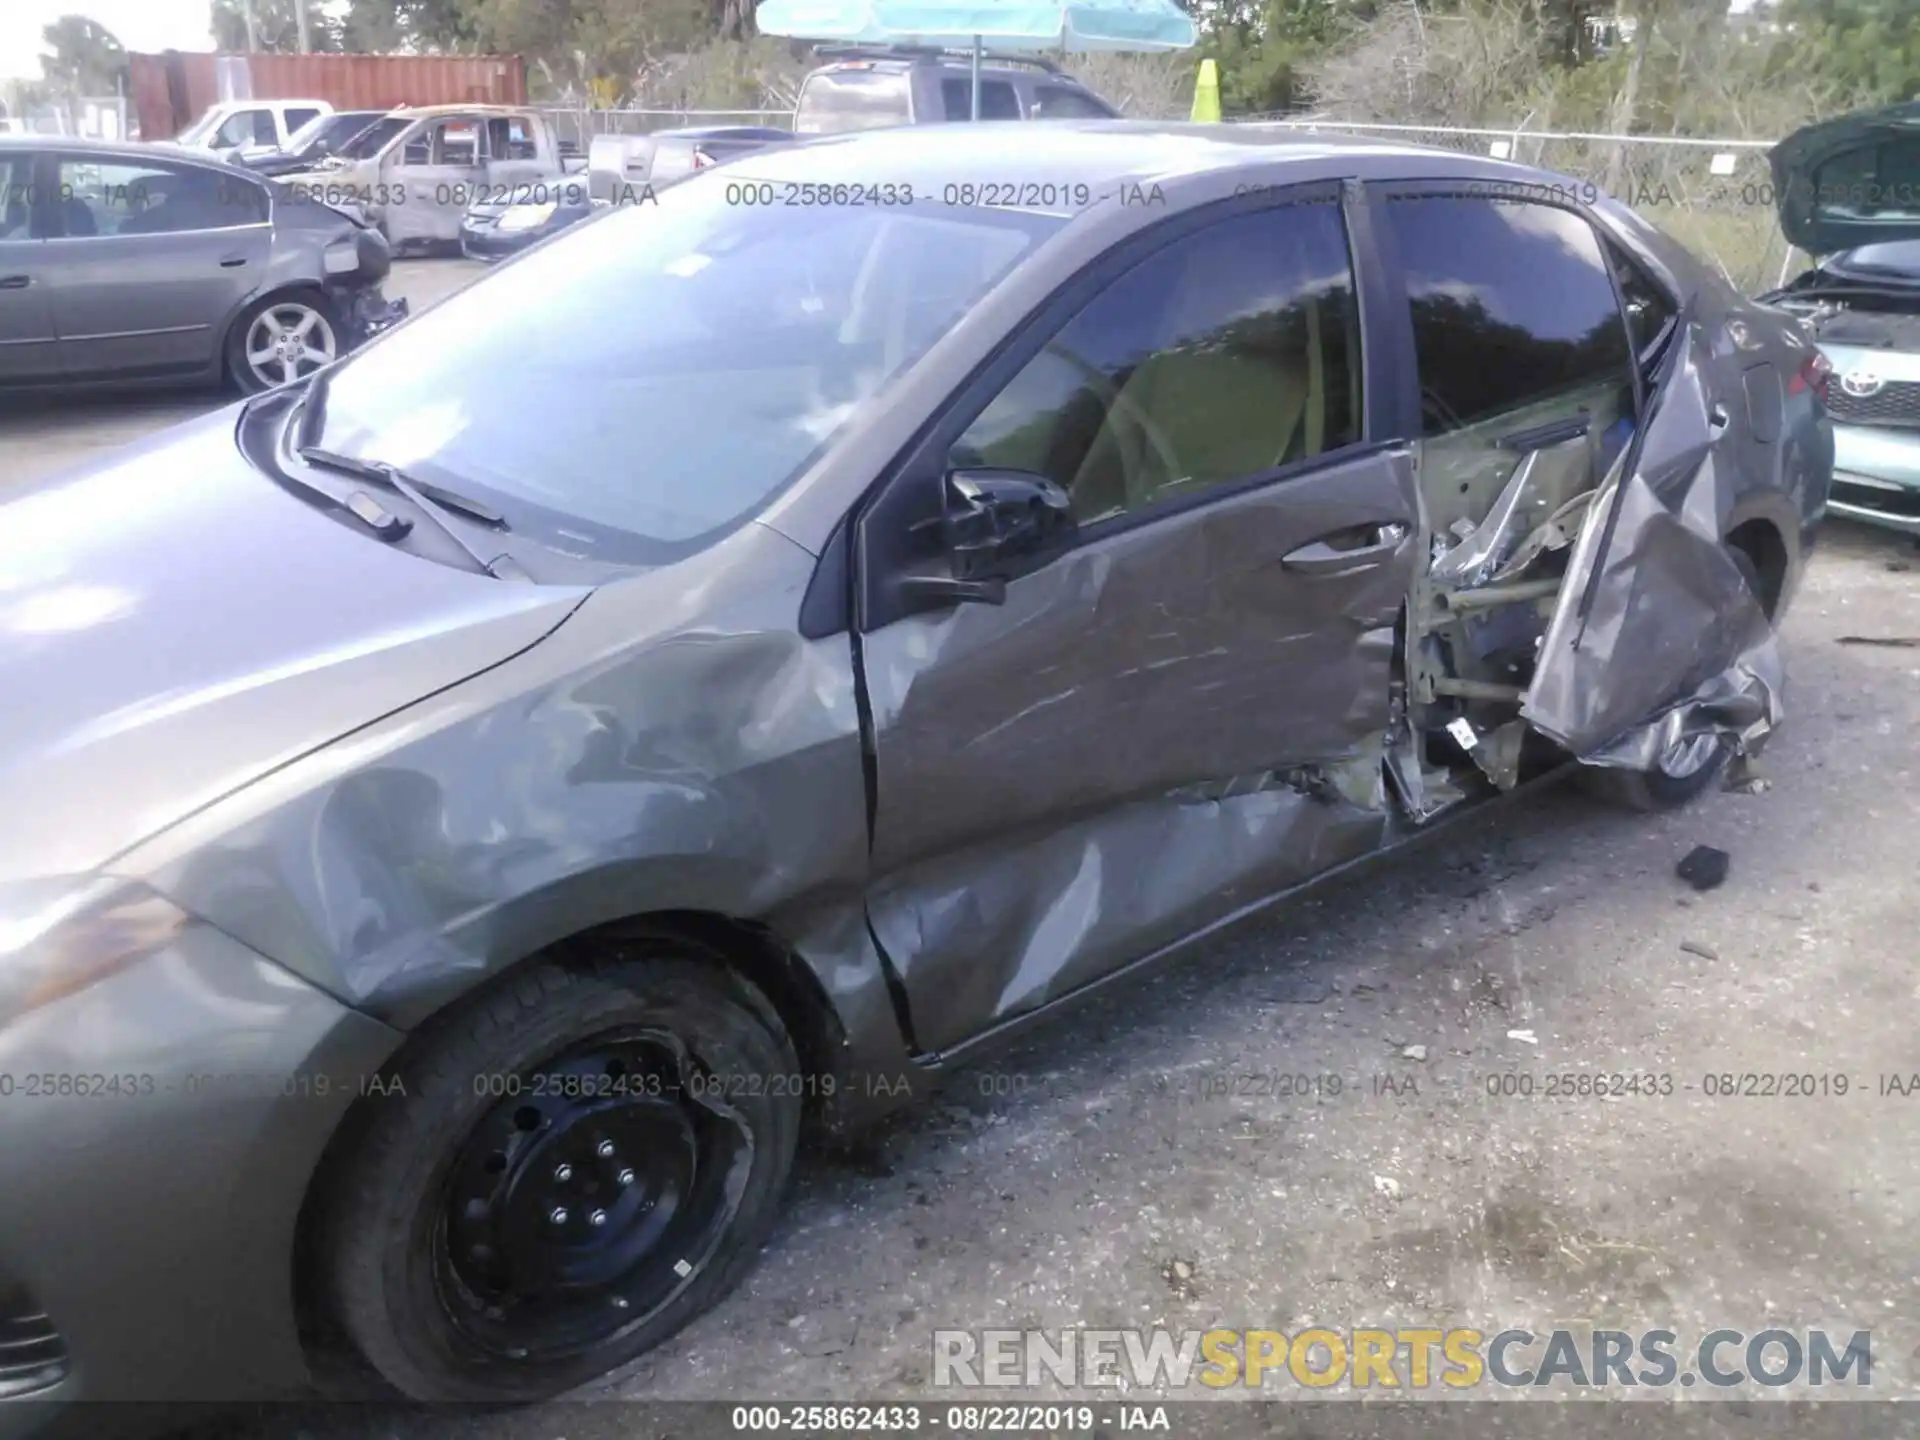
(1813,375)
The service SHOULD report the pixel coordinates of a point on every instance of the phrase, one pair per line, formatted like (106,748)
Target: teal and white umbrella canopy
(1070,25)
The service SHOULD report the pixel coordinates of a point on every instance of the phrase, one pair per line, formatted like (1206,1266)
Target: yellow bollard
(1206,94)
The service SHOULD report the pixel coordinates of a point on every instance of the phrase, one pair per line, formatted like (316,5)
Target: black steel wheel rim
(589,1194)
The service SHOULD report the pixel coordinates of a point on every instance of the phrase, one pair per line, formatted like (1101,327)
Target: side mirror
(991,520)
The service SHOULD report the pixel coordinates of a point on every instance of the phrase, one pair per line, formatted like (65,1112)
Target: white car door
(431,177)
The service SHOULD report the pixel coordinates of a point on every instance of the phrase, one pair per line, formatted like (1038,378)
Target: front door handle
(233,262)
(15,282)
(1343,550)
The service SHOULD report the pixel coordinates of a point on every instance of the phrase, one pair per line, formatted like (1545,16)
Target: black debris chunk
(1705,868)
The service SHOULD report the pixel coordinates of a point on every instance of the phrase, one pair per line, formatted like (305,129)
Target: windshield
(833,101)
(370,141)
(324,134)
(195,133)
(647,381)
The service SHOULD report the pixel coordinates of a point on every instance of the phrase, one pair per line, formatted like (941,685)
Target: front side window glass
(122,198)
(1230,354)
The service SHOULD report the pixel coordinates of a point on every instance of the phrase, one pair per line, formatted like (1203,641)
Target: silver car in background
(151,262)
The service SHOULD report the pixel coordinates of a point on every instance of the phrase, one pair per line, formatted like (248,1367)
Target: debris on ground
(1525,1037)
(1413,1052)
(1744,777)
(1386,1185)
(1704,867)
(1892,642)
(1694,947)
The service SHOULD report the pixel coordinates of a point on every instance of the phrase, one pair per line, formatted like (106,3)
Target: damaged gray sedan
(740,658)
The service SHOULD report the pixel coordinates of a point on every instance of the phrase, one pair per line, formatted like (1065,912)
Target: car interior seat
(76,218)
(1222,402)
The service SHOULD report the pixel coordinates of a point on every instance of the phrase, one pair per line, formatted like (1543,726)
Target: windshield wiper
(384,474)
(433,500)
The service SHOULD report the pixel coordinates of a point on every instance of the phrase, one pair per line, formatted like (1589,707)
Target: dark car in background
(736,663)
(1849,193)
(152,262)
(506,221)
(324,137)
(867,87)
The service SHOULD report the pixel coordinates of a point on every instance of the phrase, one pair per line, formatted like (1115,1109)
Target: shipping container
(172,90)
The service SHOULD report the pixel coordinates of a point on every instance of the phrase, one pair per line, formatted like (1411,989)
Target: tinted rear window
(835,100)
(997,100)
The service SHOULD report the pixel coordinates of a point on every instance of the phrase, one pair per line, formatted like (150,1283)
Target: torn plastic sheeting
(1003,931)
(1676,644)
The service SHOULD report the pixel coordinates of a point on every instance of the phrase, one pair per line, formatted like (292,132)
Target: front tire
(580,1165)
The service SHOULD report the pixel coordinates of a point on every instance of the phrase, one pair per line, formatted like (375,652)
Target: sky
(146,25)
(139,25)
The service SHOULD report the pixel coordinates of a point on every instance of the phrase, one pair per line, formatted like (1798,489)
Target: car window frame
(52,159)
(1542,192)
(858,559)
(39,213)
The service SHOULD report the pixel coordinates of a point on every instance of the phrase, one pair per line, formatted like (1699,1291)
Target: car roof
(414,112)
(1105,151)
(113,149)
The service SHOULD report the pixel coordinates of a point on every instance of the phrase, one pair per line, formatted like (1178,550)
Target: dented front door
(1182,714)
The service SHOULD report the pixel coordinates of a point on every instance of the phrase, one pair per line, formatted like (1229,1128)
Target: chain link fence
(578,126)
(1715,196)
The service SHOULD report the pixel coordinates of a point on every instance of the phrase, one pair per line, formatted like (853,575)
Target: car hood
(174,625)
(1851,181)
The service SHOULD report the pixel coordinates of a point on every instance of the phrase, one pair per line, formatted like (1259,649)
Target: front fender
(675,746)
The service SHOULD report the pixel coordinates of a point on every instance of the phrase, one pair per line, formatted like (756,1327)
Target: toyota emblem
(1861,383)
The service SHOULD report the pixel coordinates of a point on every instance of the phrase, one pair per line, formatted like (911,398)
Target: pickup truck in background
(237,127)
(418,184)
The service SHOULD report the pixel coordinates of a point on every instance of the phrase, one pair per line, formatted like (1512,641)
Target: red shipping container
(172,90)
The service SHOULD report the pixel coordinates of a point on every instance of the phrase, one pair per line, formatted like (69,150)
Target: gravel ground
(1137,1165)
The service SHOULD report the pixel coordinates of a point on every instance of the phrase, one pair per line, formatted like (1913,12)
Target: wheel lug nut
(598,1217)
(563,1173)
(604,1149)
(558,1215)
(619,1302)
(625,1177)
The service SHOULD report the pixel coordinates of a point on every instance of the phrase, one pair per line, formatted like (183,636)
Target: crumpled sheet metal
(1040,917)
(1676,645)
(1155,731)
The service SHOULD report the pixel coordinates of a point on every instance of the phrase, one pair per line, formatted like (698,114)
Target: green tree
(276,26)
(1869,49)
(87,59)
